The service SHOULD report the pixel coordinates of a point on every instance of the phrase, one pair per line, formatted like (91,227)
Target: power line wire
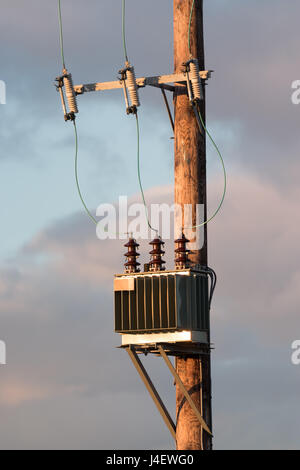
(123,30)
(77,179)
(61,36)
(137,120)
(190,25)
(139,174)
(209,135)
(224,173)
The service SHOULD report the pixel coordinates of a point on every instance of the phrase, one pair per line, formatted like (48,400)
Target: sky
(66,384)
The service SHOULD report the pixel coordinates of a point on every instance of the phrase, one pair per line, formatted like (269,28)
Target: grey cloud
(57,320)
(254,53)
(255,61)
(56,302)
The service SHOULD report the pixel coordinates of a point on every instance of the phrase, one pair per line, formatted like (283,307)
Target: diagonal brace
(152,390)
(168,109)
(184,390)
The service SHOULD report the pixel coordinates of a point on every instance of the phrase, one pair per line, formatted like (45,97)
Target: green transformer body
(164,301)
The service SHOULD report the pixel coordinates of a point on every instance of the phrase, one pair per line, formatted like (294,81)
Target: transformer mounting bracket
(132,352)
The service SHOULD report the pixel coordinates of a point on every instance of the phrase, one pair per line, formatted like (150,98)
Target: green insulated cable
(123,30)
(76,176)
(210,137)
(139,173)
(137,120)
(190,25)
(61,36)
(224,173)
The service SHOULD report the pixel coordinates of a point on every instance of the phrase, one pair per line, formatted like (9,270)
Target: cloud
(56,293)
(16,393)
(57,320)
(264,225)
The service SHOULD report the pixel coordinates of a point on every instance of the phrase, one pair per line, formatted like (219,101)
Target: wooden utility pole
(190,188)
(192,374)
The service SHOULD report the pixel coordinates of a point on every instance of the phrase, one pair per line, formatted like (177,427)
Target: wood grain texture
(190,188)
(190,144)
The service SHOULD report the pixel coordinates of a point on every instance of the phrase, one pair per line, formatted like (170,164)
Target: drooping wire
(123,30)
(77,179)
(78,185)
(138,168)
(61,36)
(139,174)
(196,109)
(224,173)
(137,121)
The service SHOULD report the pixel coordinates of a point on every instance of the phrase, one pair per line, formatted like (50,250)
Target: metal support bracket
(131,350)
(152,390)
(184,390)
(197,117)
(168,109)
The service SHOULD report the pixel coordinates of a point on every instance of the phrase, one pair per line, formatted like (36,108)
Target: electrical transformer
(162,302)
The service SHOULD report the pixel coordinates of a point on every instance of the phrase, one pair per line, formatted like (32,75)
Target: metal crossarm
(157,81)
